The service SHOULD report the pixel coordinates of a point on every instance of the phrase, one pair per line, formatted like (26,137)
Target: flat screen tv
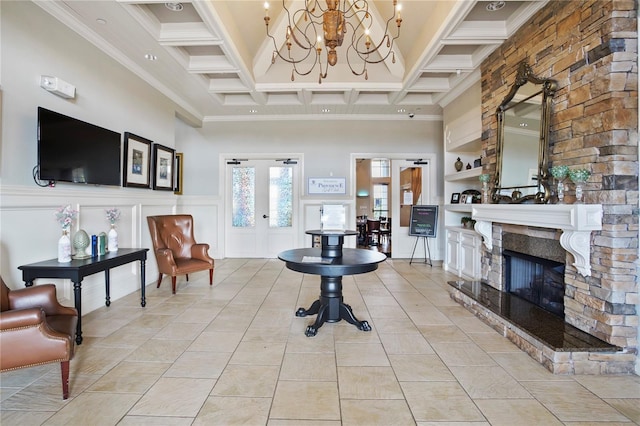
(70,150)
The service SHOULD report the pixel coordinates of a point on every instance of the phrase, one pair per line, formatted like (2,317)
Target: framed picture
(137,161)
(163,167)
(463,199)
(177,188)
(455,198)
(469,199)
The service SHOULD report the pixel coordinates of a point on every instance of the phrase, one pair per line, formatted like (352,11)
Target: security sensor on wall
(57,86)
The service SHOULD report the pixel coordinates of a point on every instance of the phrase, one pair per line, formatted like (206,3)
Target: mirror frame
(548,88)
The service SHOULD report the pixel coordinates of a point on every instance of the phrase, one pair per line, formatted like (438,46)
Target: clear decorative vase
(579,177)
(64,247)
(560,192)
(484,178)
(559,173)
(112,239)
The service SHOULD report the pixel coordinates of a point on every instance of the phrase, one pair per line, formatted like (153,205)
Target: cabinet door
(453,249)
(470,256)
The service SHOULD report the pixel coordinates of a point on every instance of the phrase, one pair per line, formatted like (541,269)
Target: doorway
(408,182)
(261,207)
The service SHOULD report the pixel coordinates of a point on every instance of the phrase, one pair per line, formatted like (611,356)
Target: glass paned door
(262,195)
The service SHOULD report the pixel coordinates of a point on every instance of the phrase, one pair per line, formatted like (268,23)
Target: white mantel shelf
(576,221)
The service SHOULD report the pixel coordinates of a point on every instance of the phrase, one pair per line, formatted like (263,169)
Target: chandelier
(313,26)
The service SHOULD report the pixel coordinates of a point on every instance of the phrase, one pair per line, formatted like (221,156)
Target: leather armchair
(36,329)
(175,248)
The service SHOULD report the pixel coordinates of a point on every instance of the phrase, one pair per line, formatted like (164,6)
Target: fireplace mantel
(576,221)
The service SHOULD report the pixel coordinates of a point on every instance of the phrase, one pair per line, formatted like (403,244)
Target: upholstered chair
(36,329)
(175,248)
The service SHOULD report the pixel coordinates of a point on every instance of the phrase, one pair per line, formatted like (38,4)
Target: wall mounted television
(71,150)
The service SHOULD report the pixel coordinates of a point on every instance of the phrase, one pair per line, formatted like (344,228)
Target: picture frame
(469,199)
(177,188)
(455,198)
(136,171)
(163,168)
(463,199)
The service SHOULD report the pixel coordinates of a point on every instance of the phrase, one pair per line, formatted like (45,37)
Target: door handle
(264,216)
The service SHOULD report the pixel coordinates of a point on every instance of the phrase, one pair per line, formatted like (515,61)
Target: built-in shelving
(462,139)
(470,174)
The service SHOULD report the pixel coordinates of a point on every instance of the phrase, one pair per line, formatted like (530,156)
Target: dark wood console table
(331,262)
(77,269)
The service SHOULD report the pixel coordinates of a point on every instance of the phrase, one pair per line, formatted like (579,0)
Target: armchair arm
(21,318)
(166,262)
(43,296)
(200,251)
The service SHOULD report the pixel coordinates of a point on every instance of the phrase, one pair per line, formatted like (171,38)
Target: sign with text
(424,221)
(327,186)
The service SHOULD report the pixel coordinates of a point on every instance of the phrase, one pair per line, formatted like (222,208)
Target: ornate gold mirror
(523,140)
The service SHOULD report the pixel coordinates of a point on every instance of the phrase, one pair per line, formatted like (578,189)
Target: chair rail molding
(576,221)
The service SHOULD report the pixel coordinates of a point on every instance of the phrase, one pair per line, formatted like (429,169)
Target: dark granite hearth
(542,325)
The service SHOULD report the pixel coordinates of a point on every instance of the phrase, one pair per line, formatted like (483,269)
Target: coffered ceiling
(214,60)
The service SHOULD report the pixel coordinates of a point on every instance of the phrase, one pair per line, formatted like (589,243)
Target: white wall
(326,145)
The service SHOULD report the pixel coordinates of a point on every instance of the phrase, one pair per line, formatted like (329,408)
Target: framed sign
(327,186)
(163,168)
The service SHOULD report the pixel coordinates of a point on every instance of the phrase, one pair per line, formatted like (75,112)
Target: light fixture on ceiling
(101,21)
(311,26)
(325,110)
(174,6)
(495,5)
(151,57)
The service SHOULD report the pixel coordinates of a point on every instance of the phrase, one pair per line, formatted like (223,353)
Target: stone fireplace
(555,240)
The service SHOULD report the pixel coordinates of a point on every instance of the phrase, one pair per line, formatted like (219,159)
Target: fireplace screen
(540,281)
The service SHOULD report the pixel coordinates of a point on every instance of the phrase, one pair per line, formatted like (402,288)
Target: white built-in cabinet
(462,139)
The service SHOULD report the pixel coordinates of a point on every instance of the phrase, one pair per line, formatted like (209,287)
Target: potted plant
(467,222)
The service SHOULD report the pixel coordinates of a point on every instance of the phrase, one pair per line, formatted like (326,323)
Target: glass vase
(560,192)
(112,239)
(64,247)
(485,192)
(579,194)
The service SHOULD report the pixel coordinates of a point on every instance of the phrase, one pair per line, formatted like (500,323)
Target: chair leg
(64,368)
(211,276)
(173,284)
(159,281)
(187,275)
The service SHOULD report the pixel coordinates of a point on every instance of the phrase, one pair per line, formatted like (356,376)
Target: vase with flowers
(579,177)
(113,215)
(65,216)
(559,173)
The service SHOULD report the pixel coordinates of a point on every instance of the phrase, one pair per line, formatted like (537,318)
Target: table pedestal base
(330,307)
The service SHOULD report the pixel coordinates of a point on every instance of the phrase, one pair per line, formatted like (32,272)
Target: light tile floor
(235,354)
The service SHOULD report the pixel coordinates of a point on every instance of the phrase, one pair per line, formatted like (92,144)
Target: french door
(261,205)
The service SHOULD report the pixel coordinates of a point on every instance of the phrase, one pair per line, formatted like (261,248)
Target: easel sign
(424,221)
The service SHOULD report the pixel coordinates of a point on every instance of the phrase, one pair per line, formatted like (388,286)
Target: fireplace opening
(538,280)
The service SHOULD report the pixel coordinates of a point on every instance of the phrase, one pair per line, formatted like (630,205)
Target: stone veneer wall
(591,49)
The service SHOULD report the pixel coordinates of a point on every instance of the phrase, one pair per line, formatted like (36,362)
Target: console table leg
(107,286)
(143,300)
(77,294)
